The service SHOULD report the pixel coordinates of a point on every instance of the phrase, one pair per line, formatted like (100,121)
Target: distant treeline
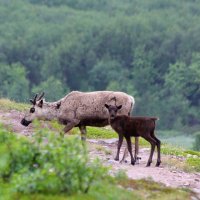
(149,49)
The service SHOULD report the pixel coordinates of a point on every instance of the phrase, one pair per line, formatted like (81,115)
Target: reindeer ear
(107,106)
(119,107)
(40,104)
(58,105)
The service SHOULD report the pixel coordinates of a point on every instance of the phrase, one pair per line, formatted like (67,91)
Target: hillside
(175,170)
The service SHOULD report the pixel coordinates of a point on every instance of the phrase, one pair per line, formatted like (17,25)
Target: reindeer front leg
(83,132)
(137,150)
(69,125)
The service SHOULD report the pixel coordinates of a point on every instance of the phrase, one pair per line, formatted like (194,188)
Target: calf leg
(119,146)
(128,140)
(136,151)
(153,144)
(158,148)
(83,132)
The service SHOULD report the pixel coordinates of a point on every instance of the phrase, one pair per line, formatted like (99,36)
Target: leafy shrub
(15,154)
(51,163)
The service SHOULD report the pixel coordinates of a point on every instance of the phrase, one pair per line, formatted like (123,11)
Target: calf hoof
(132,162)
(158,164)
(117,159)
(148,164)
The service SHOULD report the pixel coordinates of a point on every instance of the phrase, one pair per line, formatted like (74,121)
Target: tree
(53,88)
(14,84)
(182,83)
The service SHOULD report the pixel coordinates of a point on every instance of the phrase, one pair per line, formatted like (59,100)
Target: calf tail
(154,118)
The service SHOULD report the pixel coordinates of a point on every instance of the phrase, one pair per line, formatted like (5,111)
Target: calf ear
(119,107)
(40,104)
(107,106)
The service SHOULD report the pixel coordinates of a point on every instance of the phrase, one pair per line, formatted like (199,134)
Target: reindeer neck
(50,110)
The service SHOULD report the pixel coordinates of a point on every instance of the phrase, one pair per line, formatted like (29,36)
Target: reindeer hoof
(123,161)
(137,160)
(117,159)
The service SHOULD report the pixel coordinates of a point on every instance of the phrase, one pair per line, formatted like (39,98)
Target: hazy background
(147,48)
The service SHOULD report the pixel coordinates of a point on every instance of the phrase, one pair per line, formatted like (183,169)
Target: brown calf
(127,126)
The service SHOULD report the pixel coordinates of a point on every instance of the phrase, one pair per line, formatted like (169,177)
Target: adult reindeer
(80,109)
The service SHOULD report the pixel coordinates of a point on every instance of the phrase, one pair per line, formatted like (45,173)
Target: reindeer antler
(33,101)
(41,96)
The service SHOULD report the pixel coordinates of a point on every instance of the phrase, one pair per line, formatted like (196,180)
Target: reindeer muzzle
(25,122)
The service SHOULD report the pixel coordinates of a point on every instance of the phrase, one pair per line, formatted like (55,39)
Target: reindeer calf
(127,126)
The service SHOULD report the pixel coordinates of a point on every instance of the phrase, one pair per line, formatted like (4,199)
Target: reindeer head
(113,109)
(40,110)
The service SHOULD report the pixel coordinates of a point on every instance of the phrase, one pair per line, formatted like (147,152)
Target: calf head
(113,109)
(36,111)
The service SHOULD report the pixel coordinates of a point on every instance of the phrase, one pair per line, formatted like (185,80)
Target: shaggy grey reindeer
(80,109)
(127,126)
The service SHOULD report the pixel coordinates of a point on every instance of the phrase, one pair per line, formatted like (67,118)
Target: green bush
(50,163)
(16,153)
(196,145)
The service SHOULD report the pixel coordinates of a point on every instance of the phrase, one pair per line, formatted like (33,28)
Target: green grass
(94,132)
(6,105)
(148,189)
(191,161)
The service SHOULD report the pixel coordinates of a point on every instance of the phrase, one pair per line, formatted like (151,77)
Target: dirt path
(105,149)
(165,174)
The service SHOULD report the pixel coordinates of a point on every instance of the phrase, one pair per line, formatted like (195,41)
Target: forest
(149,49)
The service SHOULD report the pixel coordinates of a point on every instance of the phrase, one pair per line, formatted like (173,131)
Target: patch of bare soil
(12,120)
(105,149)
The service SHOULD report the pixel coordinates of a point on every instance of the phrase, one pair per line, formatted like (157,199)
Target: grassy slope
(6,105)
(141,189)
